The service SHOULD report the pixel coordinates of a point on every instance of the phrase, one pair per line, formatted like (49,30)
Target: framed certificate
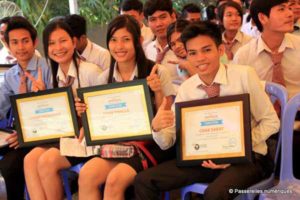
(45,116)
(216,129)
(117,112)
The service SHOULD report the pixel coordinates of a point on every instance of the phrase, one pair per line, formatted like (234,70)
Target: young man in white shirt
(135,9)
(159,14)
(5,56)
(203,43)
(88,50)
(275,20)
(191,12)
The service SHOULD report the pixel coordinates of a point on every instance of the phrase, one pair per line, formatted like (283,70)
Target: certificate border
(83,92)
(227,158)
(33,95)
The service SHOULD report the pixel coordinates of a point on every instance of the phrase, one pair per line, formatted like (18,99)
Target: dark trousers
(11,168)
(167,176)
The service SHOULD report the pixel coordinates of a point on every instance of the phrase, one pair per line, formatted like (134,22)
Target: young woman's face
(231,19)
(61,46)
(121,46)
(176,45)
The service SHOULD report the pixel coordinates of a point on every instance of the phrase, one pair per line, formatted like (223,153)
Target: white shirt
(241,39)
(236,79)
(163,74)
(248,28)
(151,53)
(96,54)
(254,54)
(147,34)
(89,75)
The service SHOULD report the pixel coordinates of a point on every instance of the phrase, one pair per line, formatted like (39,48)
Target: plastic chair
(65,178)
(276,92)
(288,184)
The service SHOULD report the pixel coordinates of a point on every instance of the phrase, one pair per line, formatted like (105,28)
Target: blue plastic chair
(276,92)
(65,178)
(287,182)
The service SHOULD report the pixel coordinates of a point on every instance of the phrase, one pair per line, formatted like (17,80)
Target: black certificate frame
(114,88)
(241,157)
(65,92)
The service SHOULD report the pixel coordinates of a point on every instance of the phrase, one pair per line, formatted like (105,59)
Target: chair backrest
(288,119)
(277,93)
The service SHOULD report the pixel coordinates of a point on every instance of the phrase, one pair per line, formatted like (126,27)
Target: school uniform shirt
(147,34)
(254,54)
(162,72)
(11,82)
(89,75)
(96,54)
(241,39)
(151,53)
(233,80)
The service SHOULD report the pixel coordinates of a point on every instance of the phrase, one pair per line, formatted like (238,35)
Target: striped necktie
(212,90)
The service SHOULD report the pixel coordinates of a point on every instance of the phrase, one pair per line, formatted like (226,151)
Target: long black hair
(125,21)
(50,28)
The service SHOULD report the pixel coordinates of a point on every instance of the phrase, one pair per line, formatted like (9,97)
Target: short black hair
(189,8)
(77,23)
(19,22)
(177,26)
(202,28)
(264,7)
(222,8)
(127,5)
(151,6)
(4,20)
(210,12)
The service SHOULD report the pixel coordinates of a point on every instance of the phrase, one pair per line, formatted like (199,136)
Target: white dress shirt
(235,79)
(96,54)
(89,75)
(151,53)
(254,54)
(147,34)
(241,39)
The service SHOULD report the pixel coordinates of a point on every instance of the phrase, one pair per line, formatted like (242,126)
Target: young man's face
(159,22)
(21,45)
(204,55)
(281,19)
(295,5)
(135,14)
(193,17)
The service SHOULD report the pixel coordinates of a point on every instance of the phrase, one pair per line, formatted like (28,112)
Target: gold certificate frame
(216,129)
(45,116)
(117,112)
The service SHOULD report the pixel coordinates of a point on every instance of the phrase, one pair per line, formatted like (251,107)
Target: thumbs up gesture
(164,117)
(37,84)
(153,80)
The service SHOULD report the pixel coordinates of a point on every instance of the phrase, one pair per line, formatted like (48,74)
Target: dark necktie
(212,90)
(23,84)
(161,54)
(69,81)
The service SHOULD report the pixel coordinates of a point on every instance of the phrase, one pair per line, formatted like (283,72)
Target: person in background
(135,9)
(5,55)
(191,12)
(295,5)
(88,50)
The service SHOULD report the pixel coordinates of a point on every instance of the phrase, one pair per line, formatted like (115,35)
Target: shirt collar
(117,76)
(238,37)
(286,43)
(157,45)
(220,78)
(32,65)
(71,72)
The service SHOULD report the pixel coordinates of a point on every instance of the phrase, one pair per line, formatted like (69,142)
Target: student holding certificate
(42,164)
(30,73)
(124,42)
(203,43)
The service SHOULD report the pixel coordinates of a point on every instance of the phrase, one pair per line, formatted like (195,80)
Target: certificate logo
(199,146)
